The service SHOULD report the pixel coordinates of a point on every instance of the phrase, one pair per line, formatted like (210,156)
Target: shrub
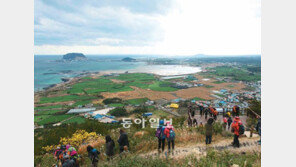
(119,112)
(112,100)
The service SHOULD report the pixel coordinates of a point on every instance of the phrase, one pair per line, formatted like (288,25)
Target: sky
(147,27)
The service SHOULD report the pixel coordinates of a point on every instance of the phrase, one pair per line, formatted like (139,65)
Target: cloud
(179,27)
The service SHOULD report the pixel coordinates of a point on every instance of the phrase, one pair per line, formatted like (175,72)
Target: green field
(218,82)
(48,107)
(116,105)
(48,112)
(64,98)
(40,117)
(236,74)
(53,119)
(162,86)
(137,101)
(78,120)
(83,102)
(198,99)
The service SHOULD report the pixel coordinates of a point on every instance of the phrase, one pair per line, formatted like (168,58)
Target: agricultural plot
(198,99)
(137,101)
(53,119)
(38,118)
(116,105)
(64,98)
(48,112)
(162,86)
(48,107)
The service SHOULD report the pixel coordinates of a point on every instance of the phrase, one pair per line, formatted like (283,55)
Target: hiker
(123,140)
(224,123)
(206,113)
(109,147)
(68,162)
(190,118)
(93,155)
(160,135)
(209,130)
(235,110)
(201,108)
(195,122)
(237,129)
(71,151)
(229,121)
(201,125)
(170,136)
(258,128)
(215,113)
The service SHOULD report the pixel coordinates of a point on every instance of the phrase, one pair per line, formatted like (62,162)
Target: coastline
(159,70)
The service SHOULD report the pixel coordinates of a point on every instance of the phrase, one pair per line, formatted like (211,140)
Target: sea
(50,70)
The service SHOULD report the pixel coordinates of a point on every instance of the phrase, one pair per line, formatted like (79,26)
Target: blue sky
(168,27)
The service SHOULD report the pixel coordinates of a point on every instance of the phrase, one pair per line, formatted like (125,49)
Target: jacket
(123,140)
(110,148)
(209,129)
(235,127)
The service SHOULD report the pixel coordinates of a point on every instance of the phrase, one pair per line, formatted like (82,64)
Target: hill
(128,59)
(74,56)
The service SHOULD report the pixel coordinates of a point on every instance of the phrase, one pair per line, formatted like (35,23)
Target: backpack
(158,132)
(172,134)
(241,129)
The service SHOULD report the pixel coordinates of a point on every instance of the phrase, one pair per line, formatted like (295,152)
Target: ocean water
(48,71)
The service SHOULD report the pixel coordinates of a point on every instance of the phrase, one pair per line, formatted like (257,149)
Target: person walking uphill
(170,136)
(238,129)
(109,147)
(258,128)
(93,155)
(123,141)
(229,121)
(160,135)
(209,130)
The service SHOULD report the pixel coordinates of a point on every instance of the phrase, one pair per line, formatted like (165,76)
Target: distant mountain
(128,59)
(74,56)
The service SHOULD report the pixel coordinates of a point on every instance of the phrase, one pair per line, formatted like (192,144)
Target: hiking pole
(254,112)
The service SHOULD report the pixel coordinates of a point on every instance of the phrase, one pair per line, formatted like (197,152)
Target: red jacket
(235,127)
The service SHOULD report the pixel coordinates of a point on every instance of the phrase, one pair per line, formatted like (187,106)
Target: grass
(218,82)
(137,101)
(160,114)
(198,99)
(53,119)
(38,118)
(64,98)
(48,112)
(78,120)
(143,77)
(220,95)
(116,105)
(236,74)
(208,86)
(48,107)
(162,86)
(83,102)
(231,86)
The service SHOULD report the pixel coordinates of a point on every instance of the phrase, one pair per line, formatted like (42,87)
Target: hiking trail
(199,149)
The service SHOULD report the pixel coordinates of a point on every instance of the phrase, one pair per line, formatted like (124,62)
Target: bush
(140,110)
(119,112)
(112,100)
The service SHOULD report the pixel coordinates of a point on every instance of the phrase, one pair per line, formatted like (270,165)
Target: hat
(161,122)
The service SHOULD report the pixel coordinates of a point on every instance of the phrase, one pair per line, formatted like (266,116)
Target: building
(81,110)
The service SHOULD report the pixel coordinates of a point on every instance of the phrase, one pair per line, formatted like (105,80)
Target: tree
(118,112)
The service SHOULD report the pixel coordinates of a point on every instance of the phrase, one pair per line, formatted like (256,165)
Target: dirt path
(246,145)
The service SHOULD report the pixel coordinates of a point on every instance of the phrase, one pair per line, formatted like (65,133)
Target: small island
(128,59)
(74,56)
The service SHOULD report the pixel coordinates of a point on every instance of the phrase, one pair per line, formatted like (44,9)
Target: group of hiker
(67,156)
(236,126)
(165,132)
